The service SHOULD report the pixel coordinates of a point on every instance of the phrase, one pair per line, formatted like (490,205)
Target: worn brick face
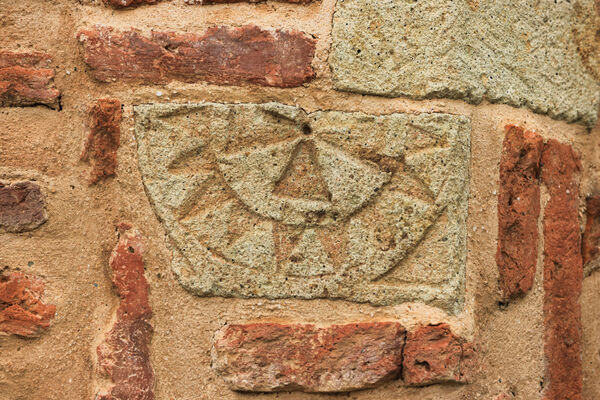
(124,354)
(518,211)
(591,236)
(207,2)
(222,55)
(104,139)
(128,3)
(433,354)
(22,207)
(271,357)
(563,272)
(27,80)
(22,311)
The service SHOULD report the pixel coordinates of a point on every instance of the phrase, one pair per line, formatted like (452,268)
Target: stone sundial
(266,200)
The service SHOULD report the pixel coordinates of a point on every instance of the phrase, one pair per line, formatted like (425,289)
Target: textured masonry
(124,353)
(222,55)
(267,357)
(563,272)
(512,53)
(339,358)
(22,207)
(266,200)
(104,139)
(518,211)
(22,311)
(27,79)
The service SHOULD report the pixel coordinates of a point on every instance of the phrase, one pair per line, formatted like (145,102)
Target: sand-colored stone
(265,200)
(521,53)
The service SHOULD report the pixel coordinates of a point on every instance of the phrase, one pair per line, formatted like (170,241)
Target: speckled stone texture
(522,53)
(266,200)
(272,357)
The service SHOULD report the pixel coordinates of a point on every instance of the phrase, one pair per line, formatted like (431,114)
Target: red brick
(433,354)
(26,80)
(22,207)
(222,55)
(207,2)
(591,236)
(22,311)
(124,353)
(563,273)
(104,139)
(128,3)
(269,357)
(518,211)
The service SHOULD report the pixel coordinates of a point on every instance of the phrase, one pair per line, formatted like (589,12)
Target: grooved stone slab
(521,53)
(266,200)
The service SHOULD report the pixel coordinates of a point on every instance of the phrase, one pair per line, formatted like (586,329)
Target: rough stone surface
(518,211)
(124,354)
(591,236)
(128,3)
(104,139)
(269,201)
(563,272)
(222,55)
(26,80)
(433,354)
(521,54)
(273,357)
(22,207)
(22,311)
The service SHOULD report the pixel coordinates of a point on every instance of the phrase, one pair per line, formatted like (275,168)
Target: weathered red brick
(223,55)
(433,354)
(128,3)
(26,80)
(104,139)
(590,248)
(267,357)
(22,311)
(124,353)
(563,272)
(22,207)
(518,211)
(208,2)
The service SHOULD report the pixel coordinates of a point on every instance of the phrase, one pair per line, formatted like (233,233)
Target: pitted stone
(522,53)
(266,200)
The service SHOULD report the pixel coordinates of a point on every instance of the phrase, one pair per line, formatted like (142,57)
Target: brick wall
(200,199)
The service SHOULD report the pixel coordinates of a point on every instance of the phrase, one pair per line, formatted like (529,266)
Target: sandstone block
(22,207)
(27,80)
(22,311)
(124,353)
(266,200)
(273,357)
(512,53)
(104,139)
(222,55)
(563,272)
(433,354)
(518,211)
